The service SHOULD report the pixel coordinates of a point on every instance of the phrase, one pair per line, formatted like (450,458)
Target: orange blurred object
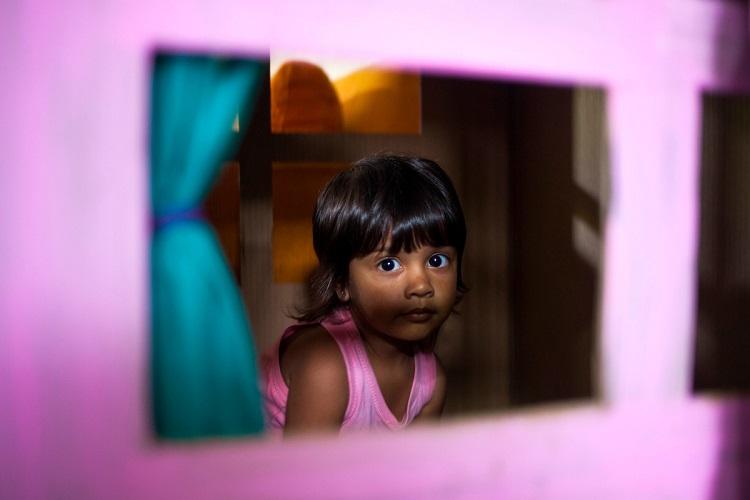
(380,101)
(303,100)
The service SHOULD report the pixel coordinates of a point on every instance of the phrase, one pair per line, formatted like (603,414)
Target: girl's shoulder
(311,352)
(315,373)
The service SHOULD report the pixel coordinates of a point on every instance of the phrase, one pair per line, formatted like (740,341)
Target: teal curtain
(203,363)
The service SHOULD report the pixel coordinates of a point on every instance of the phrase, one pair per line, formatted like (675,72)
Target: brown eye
(388,265)
(438,260)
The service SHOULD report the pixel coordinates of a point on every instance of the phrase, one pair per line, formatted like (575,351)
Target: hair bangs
(427,228)
(409,222)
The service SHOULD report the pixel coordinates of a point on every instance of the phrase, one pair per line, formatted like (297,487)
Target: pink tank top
(366,407)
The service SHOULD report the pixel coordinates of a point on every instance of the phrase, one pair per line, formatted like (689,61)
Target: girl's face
(405,296)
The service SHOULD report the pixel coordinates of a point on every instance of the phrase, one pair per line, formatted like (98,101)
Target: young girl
(389,234)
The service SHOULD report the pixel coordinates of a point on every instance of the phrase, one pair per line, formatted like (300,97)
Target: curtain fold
(203,363)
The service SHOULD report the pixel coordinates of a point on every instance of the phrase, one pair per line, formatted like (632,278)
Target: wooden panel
(553,285)
(465,129)
(222,207)
(295,189)
(723,318)
(694,450)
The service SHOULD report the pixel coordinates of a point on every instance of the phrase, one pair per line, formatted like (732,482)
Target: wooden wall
(525,160)
(723,317)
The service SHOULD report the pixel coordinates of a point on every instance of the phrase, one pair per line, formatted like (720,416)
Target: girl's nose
(419,284)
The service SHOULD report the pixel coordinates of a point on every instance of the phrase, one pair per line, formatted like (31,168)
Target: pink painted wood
(73,294)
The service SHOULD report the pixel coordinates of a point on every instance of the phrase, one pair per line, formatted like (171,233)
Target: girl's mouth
(419,315)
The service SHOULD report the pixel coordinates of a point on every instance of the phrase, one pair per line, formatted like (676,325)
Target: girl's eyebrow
(379,253)
(443,248)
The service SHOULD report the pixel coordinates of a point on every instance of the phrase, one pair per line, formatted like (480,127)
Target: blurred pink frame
(74,292)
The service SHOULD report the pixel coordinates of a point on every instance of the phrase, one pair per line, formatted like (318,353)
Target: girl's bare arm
(318,389)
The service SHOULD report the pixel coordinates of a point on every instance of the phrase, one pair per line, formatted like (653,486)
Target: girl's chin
(404,327)
(415,332)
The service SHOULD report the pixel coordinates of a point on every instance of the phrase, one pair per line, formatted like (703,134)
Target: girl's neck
(386,348)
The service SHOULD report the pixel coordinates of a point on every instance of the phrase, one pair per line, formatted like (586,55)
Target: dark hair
(410,199)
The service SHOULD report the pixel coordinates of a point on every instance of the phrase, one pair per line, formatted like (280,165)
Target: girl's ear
(342,293)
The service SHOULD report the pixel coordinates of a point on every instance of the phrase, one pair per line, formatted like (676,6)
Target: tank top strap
(425,377)
(342,328)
